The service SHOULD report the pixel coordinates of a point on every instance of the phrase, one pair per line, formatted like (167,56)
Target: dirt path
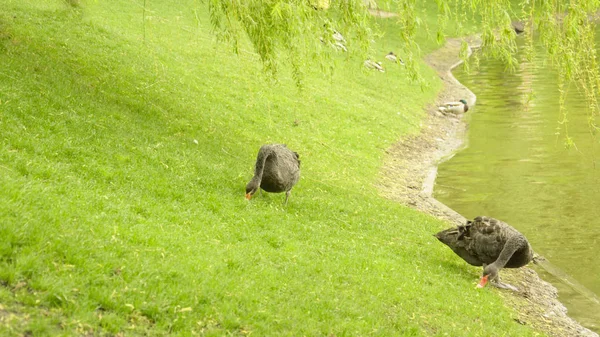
(408,176)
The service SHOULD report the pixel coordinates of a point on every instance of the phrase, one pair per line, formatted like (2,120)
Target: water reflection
(517,169)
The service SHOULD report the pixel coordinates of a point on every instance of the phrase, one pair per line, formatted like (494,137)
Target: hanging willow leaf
(301,32)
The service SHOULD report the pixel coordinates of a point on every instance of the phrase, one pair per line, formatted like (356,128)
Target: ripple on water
(516,168)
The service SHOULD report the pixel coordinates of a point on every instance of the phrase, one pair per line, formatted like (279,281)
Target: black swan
(490,243)
(277,170)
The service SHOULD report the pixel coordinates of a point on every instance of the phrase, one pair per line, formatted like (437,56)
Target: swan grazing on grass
(490,243)
(277,170)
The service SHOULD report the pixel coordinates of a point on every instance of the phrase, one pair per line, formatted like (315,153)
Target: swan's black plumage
(277,170)
(490,243)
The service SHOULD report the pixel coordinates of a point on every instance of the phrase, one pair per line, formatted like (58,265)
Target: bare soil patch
(408,175)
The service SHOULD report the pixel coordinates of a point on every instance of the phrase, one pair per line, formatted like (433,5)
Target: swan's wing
(488,237)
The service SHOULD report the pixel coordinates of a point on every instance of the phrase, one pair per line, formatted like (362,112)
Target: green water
(516,168)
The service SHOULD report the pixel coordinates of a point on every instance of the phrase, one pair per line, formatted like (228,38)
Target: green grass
(123,162)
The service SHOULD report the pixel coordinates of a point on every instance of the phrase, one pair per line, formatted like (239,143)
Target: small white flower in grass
(195,142)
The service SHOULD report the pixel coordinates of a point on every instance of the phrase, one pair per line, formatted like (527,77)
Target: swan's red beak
(483,281)
(248,196)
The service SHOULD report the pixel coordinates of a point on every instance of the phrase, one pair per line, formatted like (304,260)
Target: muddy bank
(408,176)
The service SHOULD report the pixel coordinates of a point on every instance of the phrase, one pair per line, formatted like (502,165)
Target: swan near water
(490,243)
(483,241)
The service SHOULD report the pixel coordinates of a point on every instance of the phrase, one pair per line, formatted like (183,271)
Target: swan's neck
(512,245)
(260,166)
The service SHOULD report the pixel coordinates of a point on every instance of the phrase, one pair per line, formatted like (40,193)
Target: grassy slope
(112,219)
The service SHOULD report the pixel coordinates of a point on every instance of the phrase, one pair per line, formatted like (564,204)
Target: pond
(517,168)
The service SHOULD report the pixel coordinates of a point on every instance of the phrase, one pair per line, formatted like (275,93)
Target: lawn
(125,146)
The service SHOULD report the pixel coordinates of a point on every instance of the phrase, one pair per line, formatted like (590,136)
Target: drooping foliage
(303,29)
(301,33)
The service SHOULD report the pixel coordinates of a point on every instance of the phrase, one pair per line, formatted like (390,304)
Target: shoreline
(408,176)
